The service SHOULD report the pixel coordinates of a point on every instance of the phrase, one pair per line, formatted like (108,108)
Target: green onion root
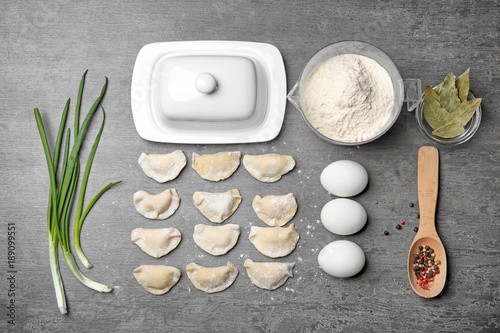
(56,275)
(73,267)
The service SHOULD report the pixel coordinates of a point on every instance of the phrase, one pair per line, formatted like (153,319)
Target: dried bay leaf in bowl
(446,108)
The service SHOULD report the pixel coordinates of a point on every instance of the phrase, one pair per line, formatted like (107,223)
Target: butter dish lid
(208,88)
(208,92)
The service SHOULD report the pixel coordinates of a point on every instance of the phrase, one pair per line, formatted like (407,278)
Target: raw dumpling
(269,275)
(274,242)
(268,168)
(212,279)
(157,279)
(163,168)
(275,210)
(217,206)
(156,206)
(156,242)
(216,240)
(218,166)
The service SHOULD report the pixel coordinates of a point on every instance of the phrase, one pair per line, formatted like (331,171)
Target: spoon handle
(428,176)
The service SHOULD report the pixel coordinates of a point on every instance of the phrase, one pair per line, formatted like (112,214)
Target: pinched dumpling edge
(205,208)
(169,277)
(274,242)
(259,170)
(272,274)
(208,244)
(223,165)
(168,240)
(172,201)
(285,204)
(163,173)
(212,279)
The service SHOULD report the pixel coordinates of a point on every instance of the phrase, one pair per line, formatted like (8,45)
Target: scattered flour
(349,98)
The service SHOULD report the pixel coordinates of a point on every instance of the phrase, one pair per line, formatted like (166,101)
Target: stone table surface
(46,46)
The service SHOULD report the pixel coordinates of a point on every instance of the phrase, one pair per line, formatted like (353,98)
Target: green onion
(62,194)
(80,217)
(52,220)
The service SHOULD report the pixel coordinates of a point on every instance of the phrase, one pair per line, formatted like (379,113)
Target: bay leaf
(434,113)
(453,123)
(432,93)
(438,88)
(448,94)
(463,85)
(449,131)
(462,113)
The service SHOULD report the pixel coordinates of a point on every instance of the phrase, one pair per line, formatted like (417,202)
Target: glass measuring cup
(408,90)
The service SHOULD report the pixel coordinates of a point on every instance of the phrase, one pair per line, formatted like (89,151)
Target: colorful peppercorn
(425,265)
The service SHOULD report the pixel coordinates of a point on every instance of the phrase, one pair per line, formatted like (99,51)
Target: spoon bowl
(428,176)
(434,288)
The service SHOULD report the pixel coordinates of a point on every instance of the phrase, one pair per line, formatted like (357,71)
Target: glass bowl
(470,128)
(296,95)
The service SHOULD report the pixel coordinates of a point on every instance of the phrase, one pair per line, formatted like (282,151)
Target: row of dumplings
(274,242)
(274,210)
(159,279)
(266,168)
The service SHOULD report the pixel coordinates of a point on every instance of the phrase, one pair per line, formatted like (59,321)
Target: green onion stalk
(62,194)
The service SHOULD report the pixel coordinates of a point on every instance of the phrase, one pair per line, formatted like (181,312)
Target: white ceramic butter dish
(203,92)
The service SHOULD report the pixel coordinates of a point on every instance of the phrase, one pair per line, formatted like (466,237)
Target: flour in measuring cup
(349,98)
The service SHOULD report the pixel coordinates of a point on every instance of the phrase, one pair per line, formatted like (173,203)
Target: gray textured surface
(46,47)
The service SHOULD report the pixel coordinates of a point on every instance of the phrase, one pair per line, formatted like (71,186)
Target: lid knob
(205,83)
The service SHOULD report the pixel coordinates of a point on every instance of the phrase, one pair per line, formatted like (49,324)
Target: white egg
(344,178)
(341,259)
(343,216)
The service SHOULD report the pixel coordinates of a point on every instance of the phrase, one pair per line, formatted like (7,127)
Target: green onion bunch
(62,193)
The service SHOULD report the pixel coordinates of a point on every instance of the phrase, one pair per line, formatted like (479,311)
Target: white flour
(349,98)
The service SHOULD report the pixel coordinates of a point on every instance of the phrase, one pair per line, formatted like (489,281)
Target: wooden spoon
(428,175)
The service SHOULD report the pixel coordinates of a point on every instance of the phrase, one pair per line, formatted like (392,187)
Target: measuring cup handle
(413,93)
